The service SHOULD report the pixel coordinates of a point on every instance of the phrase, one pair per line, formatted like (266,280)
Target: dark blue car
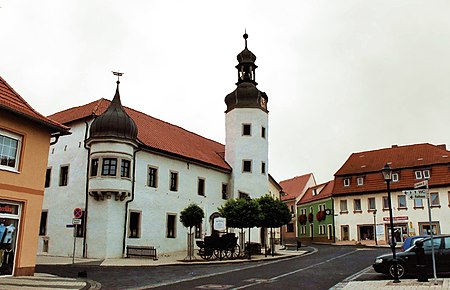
(409,241)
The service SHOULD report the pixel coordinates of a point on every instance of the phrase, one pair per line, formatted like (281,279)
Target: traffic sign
(77,213)
(416,193)
(76,221)
(421,184)
(70,226)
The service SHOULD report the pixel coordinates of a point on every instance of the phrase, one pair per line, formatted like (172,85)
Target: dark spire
(246,94)
(114,122)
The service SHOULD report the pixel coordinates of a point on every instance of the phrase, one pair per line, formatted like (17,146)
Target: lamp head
(387,172)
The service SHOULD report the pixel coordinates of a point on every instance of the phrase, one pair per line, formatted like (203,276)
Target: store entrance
(9,223)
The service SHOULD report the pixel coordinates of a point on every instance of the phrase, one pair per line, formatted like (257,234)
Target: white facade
(408,221)
(253,147)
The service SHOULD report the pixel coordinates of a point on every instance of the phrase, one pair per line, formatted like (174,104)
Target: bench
(142,251)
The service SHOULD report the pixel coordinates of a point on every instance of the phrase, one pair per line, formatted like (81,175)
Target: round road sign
(77,213)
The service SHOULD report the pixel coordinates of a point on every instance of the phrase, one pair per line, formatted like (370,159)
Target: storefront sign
(9,208)
(396,218)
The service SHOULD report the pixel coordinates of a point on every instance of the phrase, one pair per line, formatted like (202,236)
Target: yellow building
(25,137)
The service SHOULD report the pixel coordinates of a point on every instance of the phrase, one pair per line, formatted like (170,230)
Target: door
(344,233)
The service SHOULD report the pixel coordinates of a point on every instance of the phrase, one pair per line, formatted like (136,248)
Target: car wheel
(400,270)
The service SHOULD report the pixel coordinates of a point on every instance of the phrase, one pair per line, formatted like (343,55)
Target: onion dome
(246,95)
(114,122)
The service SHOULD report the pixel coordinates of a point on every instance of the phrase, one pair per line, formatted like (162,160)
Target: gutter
(128,202)
(86,201)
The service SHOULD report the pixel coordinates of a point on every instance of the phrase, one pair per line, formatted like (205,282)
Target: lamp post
(387,175)
(375,226)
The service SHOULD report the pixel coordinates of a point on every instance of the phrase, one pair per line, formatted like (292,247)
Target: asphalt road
(324,267)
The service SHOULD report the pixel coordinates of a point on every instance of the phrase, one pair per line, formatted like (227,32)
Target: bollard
(299,244)
(421,263)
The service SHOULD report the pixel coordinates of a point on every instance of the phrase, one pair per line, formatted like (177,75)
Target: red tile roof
(156,134)
(295,186)
(404,160)
(324,191)
(10,100)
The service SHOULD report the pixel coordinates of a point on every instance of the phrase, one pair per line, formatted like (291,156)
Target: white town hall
(132,174)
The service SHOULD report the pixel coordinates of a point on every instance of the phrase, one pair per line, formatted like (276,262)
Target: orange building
(25,137)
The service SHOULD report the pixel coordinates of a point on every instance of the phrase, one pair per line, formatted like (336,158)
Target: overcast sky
(341,76)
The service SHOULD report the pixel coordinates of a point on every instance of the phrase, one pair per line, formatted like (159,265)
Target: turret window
(109,167)
(246,129)
(263,167)
(125,168)
(94,167)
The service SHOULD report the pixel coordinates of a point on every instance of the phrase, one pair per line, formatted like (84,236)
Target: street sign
(421,184)
(70,226)
(77,213)
(416,193)
(76,221)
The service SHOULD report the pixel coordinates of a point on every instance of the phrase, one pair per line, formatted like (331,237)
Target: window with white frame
(434,196)
(322,230)
(394,177)
(418,203)
(343,205)
(426,174)
(10,145)
(357,205)
(360,181)
(371,202)
(402,201)
(418,174)
(346,181)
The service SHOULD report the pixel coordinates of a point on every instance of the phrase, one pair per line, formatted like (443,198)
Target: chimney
(394,146)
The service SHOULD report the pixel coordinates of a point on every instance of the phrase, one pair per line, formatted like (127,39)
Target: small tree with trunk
(190,217)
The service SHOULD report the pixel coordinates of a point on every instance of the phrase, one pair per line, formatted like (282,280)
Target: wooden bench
(142,251)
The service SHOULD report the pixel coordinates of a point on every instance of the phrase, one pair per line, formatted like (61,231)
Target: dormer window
(394,177)
(346,181)
(418,174)
(314,191)
(426,174)
(360,181)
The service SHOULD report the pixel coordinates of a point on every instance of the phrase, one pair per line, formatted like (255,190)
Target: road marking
(315,250)
(350,278)
(297,271)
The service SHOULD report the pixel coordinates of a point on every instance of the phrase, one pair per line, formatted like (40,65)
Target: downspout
(86,202)
(332,215)
(128,202)
(56,136)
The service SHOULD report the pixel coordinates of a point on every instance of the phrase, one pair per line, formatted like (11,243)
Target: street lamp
(387,175)
(375,226)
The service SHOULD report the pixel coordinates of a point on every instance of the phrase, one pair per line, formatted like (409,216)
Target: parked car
(407,260)
(410,241)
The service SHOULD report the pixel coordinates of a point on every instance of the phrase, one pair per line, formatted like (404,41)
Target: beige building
(25,137)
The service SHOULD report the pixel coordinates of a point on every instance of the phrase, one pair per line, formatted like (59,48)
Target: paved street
(322,268)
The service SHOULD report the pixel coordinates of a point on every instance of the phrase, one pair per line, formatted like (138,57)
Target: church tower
(246,125)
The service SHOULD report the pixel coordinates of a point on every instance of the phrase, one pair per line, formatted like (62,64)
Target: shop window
(64,175)
(371,202)
(246,166)
(424,228)
(153,177)
(246,129)
(263,167)
(171,226)
(434,196)
(402,202)
(43,223)
(366,233)
(173,181)
(94,167)
(224,191)
(81,227)
(135,225)
(263,132)
(290,227)
(48,175)
(198,231)
(343,206)
(9,150)
(125,168)
(109,167)
(357,205)
(201,186)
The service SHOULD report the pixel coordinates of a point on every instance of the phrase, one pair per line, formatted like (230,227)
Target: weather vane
(118,74)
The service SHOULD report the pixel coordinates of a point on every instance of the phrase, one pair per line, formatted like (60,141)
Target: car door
(444,253)
(428,252)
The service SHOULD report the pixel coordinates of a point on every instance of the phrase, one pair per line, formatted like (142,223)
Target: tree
(274,214)
(191,216)
(241,213)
